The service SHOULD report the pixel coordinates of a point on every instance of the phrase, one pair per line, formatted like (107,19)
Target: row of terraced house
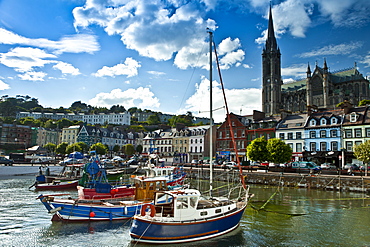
(321,135)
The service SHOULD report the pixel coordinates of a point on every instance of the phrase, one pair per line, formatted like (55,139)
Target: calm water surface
(293,217)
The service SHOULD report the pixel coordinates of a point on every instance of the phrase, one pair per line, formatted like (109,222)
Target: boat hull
(70,210)
(57,186)
(148,231)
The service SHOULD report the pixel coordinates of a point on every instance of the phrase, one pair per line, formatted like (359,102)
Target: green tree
(257,150)
(51,147)
(364,102)
(279,151)
(153,119)
(116,148)
(129,149)
(362,153)
(84,147)
(139,149)
(100,148)
(74,147)
(61,148)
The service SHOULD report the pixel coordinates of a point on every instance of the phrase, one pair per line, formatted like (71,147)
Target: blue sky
(153,54)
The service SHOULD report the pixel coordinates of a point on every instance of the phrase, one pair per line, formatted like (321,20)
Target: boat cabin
(145,188)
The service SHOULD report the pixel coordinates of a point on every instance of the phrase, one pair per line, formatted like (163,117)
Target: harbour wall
(303,180)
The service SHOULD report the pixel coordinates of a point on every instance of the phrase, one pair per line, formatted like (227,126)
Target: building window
(358,133)
(290,145)
(322,133)
(323,121)
(312,134)
(357,143)
(349,146)
(298,135)
(334,146)
(333,133)
(313,146)
(348,133)
(290,136)
(367,130)
(281,136)
(323,146)
(353,117)
(313,122)
(298,147)
(334,120)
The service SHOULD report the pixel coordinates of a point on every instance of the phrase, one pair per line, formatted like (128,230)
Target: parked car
(306,165)
(229,164)
(327,166)
(353,167)
(5,161)
(70,161)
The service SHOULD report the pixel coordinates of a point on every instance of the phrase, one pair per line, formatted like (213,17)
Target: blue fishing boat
(185,215)
(108,209)
(99,200)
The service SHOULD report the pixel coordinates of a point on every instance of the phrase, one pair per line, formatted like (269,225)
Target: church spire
(271,43)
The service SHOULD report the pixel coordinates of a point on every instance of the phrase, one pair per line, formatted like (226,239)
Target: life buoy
(144,207)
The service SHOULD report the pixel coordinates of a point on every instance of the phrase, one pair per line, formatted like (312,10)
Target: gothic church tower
(271,73)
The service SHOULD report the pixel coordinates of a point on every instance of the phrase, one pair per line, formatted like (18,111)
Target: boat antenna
(210,115)
(229,121)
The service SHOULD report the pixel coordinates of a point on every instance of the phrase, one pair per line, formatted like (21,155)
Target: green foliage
(362,152)
(84,147)
(129,149)
(184,119)
(61,148)
(74,147)
(51,147)
(100,148)
(364,102)
(139,149)
(116,148)
(154,119)
(279,151)
(257,150)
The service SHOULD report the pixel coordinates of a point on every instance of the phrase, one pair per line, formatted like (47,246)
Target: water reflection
(292,217)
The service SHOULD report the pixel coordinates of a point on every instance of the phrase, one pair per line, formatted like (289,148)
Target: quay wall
(303,180)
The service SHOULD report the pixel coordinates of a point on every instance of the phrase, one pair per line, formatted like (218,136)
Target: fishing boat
(57,185)
(185,215)
(104,209)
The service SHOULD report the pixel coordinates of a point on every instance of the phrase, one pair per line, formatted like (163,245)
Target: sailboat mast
(210,117)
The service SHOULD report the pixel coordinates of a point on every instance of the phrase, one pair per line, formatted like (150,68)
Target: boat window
(217,211)
(182,203)
(193,202)
(203,213)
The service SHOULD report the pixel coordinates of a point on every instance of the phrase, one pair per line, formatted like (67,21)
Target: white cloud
(237,99)
(156,73)
(128,68)
(25,59)
(341,49)
(140,97)
(346,13)
(296,17)
(296,70)
(158,29)
(366,60)
(66,68)
(3,85)
(33,76)
(77,43)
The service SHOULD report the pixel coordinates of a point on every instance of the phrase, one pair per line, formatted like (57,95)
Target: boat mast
(210,117)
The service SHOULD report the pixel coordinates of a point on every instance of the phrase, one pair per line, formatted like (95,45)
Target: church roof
(346,75)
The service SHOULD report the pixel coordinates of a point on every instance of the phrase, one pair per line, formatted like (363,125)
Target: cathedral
(320,89)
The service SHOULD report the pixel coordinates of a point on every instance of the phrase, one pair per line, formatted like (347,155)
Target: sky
(153,54)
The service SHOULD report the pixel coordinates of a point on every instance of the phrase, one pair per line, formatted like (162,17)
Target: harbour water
(292,217)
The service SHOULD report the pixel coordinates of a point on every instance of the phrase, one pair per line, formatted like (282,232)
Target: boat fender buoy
(144,207)
(92,214)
